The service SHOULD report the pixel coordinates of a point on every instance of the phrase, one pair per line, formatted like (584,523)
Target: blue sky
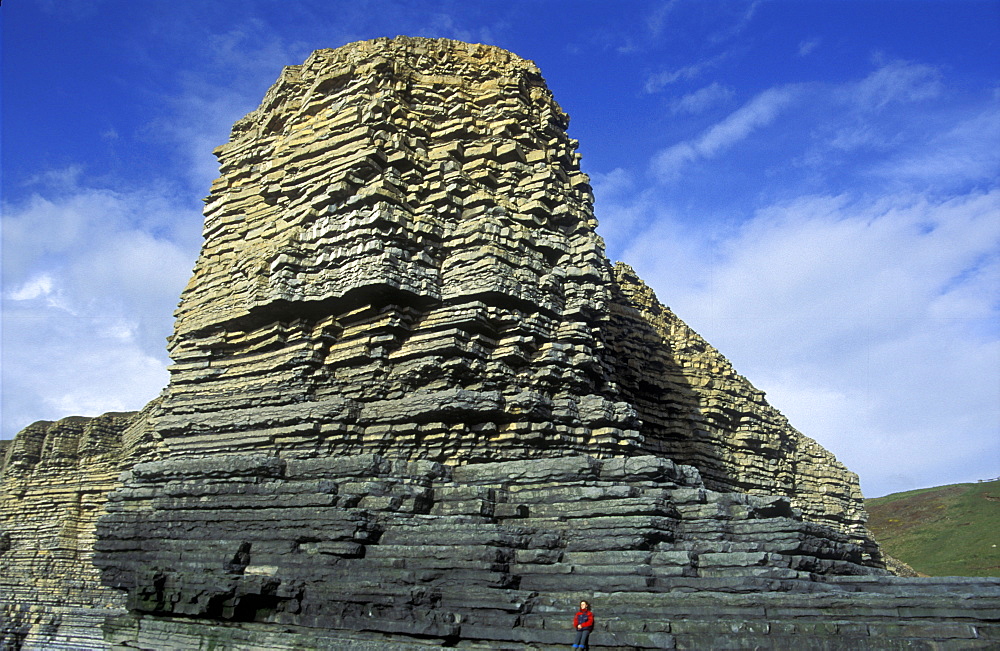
(813,186)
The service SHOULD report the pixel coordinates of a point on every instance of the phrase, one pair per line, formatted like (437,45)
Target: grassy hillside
(944,531)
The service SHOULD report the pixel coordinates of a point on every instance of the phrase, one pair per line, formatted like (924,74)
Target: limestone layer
(335,539)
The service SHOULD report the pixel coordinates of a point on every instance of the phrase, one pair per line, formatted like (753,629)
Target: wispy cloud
(35,287)
(869,313)
(657,81)
(884,111)
(446,25)
(856,136)
(758,112)
(672,19)
(623,206)
(702,99)
(967,152)
(896,125)
(238,67)
(739,25)
(895,81)
(657,18)
(807,47)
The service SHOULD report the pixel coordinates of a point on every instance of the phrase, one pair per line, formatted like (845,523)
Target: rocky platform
(414,405)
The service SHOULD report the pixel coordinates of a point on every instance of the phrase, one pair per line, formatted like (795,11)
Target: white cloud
(869,314)
(881,127)
(966,152)
(702,99)
(657,19)
(896,81)
(870,323)
(856,136)
(56,364)
(91,278)
(897,128)
(444,25)
(660,80)
(760,111)
(615,202)
(235,70)
(35,287)
(92,275)
(742,21)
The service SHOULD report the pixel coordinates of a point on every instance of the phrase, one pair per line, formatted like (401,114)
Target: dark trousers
(581,638)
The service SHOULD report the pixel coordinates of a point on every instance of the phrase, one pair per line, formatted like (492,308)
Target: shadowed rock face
(412,403)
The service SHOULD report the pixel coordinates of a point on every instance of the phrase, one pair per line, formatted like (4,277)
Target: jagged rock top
(348,128)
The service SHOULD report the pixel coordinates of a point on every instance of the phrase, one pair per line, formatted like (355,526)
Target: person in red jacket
(583,622)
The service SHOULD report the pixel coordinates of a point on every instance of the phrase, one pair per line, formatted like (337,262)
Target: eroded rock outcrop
(54,480)
(400,259)
(414,405)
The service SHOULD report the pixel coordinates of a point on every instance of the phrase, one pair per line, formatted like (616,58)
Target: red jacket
(584,618)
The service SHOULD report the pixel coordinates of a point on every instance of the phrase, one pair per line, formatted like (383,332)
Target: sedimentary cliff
(54,481)
(413,404)
(400,258)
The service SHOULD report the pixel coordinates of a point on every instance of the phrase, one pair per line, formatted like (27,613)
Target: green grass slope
(944,531)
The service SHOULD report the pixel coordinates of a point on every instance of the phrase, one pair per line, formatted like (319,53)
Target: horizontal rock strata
(869,615)
(54,482)
(495,554)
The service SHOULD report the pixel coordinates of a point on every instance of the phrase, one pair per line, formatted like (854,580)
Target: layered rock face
(54,480)
(366,552)
(401,246)
(413,405)
(400,259)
